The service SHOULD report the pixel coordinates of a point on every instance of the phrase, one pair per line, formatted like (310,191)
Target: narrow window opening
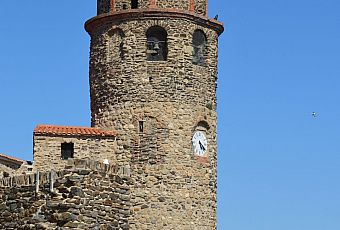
(157,47)
(116,44)
(121,50)
(67,151)
(125,6)
(199,45)
(134,4)
(141,126)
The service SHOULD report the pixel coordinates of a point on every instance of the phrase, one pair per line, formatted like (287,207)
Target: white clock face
(199,143)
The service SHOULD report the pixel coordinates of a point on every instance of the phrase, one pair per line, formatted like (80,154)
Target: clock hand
(202,147)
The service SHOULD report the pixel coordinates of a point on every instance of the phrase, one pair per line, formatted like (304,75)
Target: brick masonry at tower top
(197,6)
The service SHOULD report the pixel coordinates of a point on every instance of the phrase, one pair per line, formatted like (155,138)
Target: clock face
(199,143)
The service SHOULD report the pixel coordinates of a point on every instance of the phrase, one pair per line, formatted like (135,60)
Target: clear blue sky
(279,168)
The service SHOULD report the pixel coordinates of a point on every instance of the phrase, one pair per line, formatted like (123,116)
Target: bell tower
(153,72)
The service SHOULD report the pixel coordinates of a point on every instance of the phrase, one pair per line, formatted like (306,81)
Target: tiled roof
(72,131)
(11,158)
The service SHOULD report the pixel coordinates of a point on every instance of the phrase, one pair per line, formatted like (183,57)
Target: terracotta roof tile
(72,131)
(11,158)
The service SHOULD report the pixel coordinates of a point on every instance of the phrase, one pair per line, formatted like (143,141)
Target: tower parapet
(110,6)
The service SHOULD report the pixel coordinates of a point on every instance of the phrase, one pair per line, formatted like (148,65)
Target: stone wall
(174,189)
(136,80)
(154,181)
(86,195)
(6,171)
(121,4)
(201,7)
(47,150)
(103,6)
(179,4)
(90,195)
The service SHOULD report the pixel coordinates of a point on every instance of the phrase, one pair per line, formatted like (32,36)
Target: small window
(67,151)
(141,126)
(157,47)
(134,4)
(199,44)
(116,44)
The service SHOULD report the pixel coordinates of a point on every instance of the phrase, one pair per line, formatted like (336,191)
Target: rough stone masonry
(153,76)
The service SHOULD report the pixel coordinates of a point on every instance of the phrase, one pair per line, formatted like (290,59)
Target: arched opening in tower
(199,41)
(157,47)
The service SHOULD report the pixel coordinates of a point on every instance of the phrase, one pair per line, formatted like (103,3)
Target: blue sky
(279,167)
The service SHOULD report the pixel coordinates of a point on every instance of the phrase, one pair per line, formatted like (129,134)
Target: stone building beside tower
(153,75)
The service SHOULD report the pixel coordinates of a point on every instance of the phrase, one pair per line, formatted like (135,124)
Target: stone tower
(153,72)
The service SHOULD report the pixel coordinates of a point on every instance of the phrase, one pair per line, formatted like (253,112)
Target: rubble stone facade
(87,143)
(170,97)
(86,195)
(10,166)
(47,150)
(153,76)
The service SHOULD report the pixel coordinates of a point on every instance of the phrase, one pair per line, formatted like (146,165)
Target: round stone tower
(153,72)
